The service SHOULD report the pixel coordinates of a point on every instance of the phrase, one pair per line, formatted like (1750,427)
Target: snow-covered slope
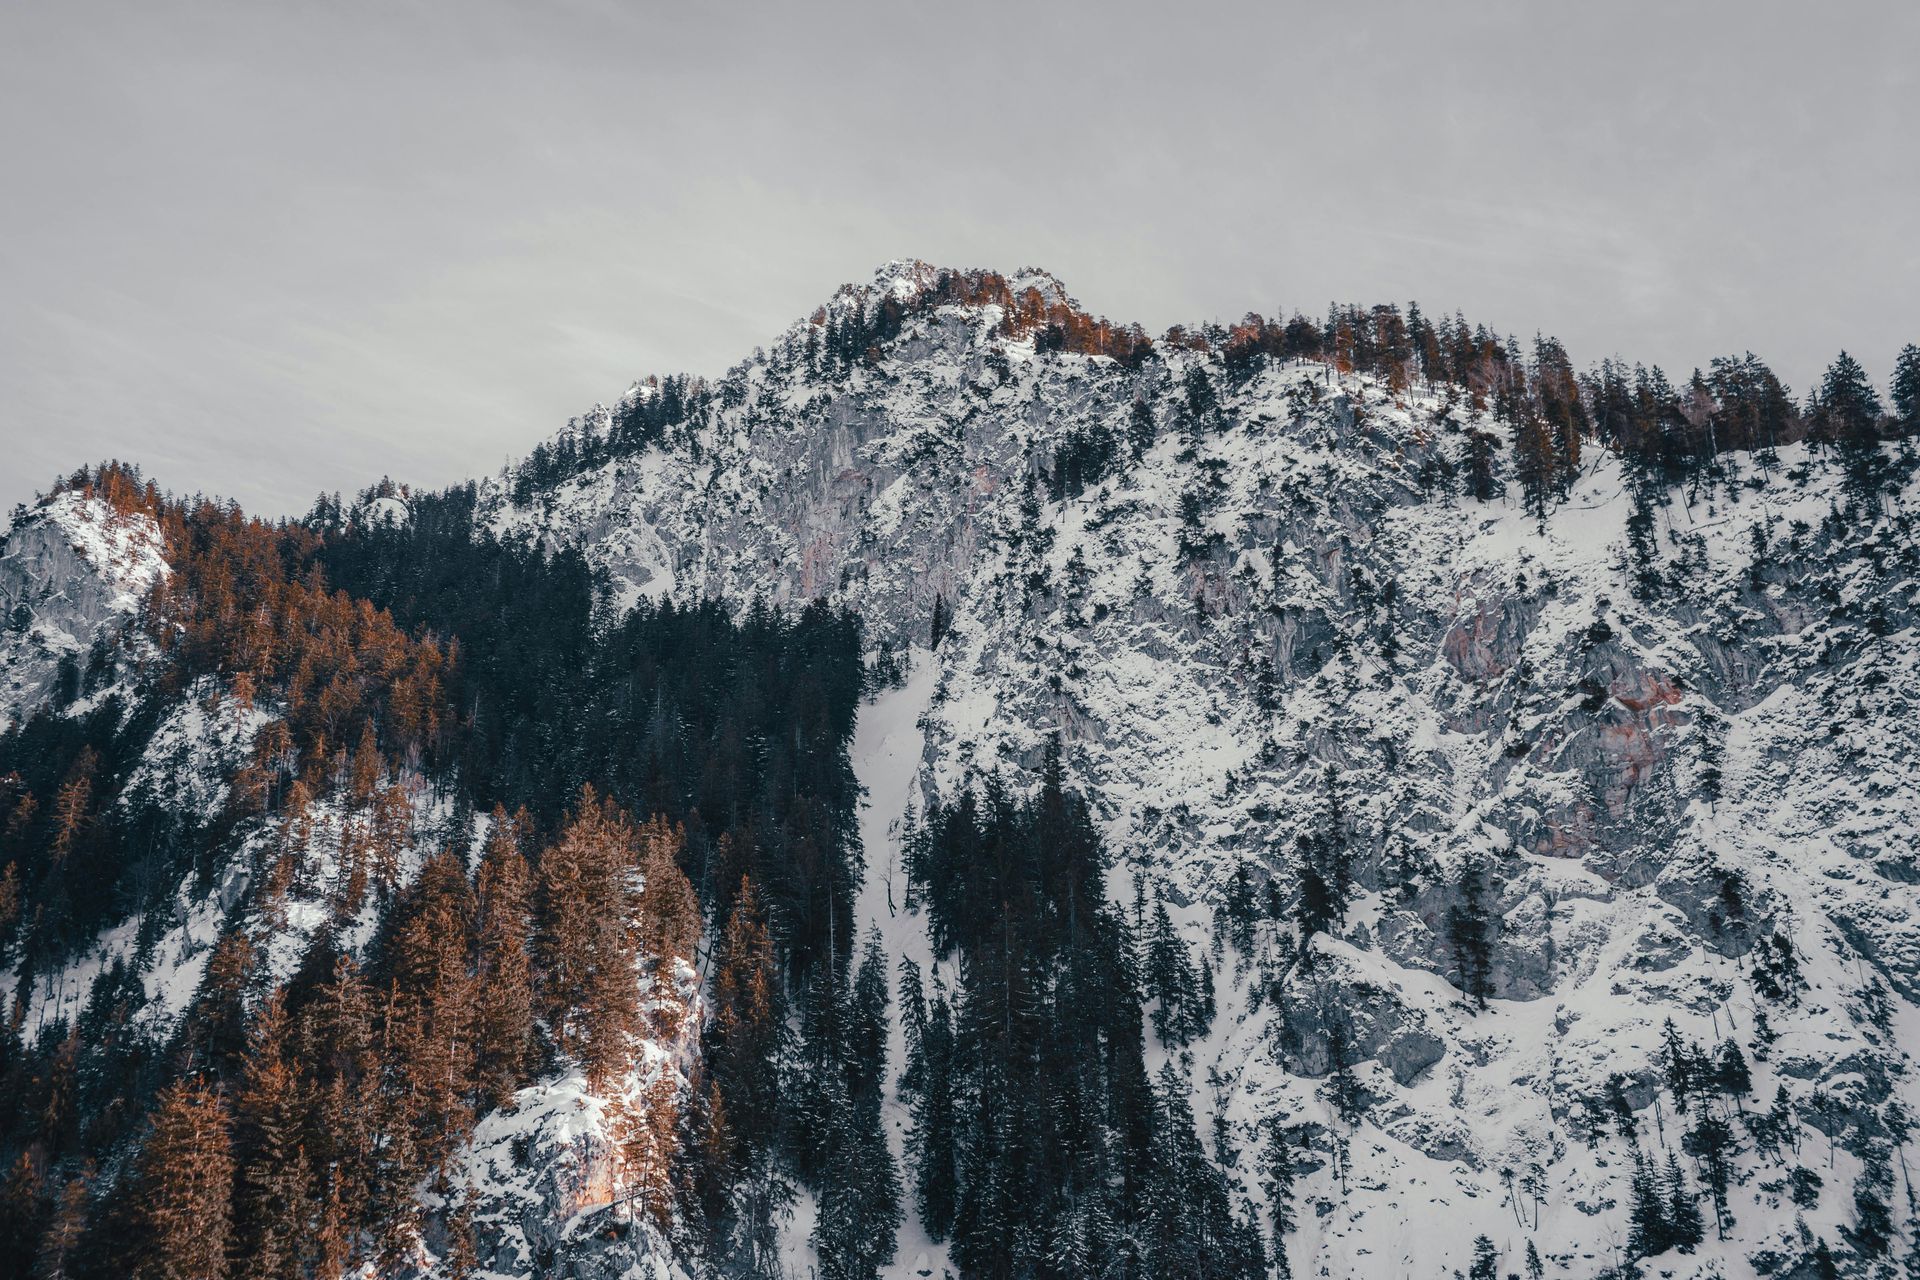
(1289,595)
(1256,607)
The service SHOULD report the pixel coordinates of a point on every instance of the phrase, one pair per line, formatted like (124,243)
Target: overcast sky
(271,249)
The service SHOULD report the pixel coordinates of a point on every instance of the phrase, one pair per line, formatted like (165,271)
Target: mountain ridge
(1469,768)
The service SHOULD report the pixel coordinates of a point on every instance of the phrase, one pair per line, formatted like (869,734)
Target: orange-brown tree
(184,1187)
(588,947)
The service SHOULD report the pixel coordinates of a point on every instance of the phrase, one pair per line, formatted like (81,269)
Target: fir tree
(936,1168)
(1872,1231)
(1846,408)
(503,965)
(1278,1184)
(185,1187)
(271,1191)
(1479,465)
(1906,388)
(1534,461)
(1471,928)
(1649,1216)
(588,949)
(1685,1227)
(1711,1142)
(1140,428)
(22,1208)
(65,1228)
(668,911)
(1486,1260)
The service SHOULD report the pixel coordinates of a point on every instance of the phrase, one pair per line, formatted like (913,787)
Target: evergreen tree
(1171,982)
(942,621)
(1279,1188)
(668,910)
(742,1047)
(1685,1227)
(272,1188)
(185,1187)
(1731,1075)
(936,1168)
(1479,465)
(65,1228)
(1872,1232)
(587,947)
(1140,428)
(1711,1142)
(1471,929)
(1846,408)
(503,965)
(1649,1214)
(335,1034)
(1486,1260)
(1906,388)
(1534,461)
(22,1209)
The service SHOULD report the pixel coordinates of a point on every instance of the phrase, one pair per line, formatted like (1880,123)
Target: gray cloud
(267,250)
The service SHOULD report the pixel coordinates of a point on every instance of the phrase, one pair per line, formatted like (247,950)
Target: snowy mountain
(1539,869)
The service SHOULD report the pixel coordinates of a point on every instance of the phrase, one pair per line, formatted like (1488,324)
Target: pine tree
(185,1183)
(1711,1141)
(1649,1225)
(22,1207)
(1170,981)
(503,967)
(1279,1188)
(1536,1269)
(587,947)
(1685,1227)
(744,1036)
(1906,388)
(71,803)
(64,1230)
(860,1200)
(458,1259)
(1486,1260)
(742,1048)
(270,1192)
(942,621)
(936,1168)
(1872,1232)
(1140,428)
(1847,408)
(1479,465)
(669,911)
(646,1136)
(1534,461)
(432,1005)
(867,1025)
(335,1034)
(1731,1075)
(215,1033)
(913,1026)
(1471,927)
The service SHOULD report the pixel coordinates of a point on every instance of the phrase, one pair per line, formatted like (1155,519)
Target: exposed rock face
(71,574)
